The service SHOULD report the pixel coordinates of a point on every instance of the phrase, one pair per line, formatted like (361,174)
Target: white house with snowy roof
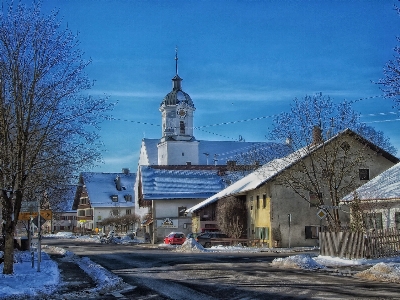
(156,189)
(380,200)
(103,195)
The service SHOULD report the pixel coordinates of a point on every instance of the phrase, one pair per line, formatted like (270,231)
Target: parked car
(206,238)
(175,238)
(193,235)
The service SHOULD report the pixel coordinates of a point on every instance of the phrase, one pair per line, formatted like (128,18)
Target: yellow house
(280,215)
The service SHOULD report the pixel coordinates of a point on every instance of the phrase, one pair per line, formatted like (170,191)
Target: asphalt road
(165,274)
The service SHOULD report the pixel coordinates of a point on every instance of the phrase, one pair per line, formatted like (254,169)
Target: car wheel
(207,245)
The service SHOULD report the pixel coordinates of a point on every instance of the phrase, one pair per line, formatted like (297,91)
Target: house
(103,195)
(64,218)
(170,190)
(380,200)
(279,216)
(162,160)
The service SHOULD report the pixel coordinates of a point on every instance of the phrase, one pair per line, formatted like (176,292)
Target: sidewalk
(77,283)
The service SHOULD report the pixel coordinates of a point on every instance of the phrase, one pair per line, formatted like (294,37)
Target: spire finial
(176,60)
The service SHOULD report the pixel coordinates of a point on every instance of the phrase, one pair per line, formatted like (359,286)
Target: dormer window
(128,198)
(114,198)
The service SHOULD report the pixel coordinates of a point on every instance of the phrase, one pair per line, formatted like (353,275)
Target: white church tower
(177,146)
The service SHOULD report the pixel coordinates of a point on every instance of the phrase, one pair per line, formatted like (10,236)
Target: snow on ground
(47,280)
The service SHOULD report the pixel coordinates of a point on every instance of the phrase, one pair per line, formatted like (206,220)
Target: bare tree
(121,221)
(231,216)
(48,127)
(390,83)
(129,220)
(254,157)
(327,169)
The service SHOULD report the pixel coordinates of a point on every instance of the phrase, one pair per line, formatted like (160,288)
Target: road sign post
(290,221)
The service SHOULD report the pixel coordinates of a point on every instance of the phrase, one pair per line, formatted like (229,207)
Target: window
(115,212)
(315,199)
(264,201)
(182,211)
(258,201)
(373,220)
(262,233)
(88,212)
(182,127)
(128,212)
(81,212)
(114,198)
(397,219)
(128,198)
(312,232)
(84,200)
(364,174)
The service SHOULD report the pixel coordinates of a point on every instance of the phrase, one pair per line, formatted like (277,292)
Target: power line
(267,117)
(131,121)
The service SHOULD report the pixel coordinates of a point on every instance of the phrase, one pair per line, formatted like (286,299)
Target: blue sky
(239,60)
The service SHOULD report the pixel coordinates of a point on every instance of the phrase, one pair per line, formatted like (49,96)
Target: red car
(175,238)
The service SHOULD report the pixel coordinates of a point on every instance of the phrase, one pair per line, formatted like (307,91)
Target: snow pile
(125,239)
(103,278)
(34,283)
(389,272)
(190,245)
(301,261)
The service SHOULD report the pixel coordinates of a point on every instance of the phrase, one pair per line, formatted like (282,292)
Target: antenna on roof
(176,60)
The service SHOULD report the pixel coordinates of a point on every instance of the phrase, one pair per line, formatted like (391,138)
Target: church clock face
(181,113)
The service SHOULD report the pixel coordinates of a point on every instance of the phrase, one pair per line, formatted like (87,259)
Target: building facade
(276,214)
(103,195)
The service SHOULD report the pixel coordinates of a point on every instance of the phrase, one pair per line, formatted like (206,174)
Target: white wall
(178,153)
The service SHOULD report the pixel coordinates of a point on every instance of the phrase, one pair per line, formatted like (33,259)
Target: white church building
(177,171)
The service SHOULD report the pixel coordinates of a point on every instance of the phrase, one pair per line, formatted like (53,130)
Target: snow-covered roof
(102,186)
(254,179)
(67,200)
(162,184)
(221,151)
(385,186)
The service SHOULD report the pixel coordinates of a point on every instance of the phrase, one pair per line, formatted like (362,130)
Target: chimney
(316,136)
(125,171)
(117,181)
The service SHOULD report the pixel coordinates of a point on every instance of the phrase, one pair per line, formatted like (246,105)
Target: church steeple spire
(176,60)
(176,81)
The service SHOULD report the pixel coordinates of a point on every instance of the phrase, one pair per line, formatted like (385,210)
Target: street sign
(35,221)
(321,214)
(26,216)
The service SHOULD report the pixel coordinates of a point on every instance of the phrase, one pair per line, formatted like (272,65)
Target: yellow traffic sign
(26,216)
(321,214)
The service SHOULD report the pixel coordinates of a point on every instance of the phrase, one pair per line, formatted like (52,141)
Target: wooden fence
(356,245)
